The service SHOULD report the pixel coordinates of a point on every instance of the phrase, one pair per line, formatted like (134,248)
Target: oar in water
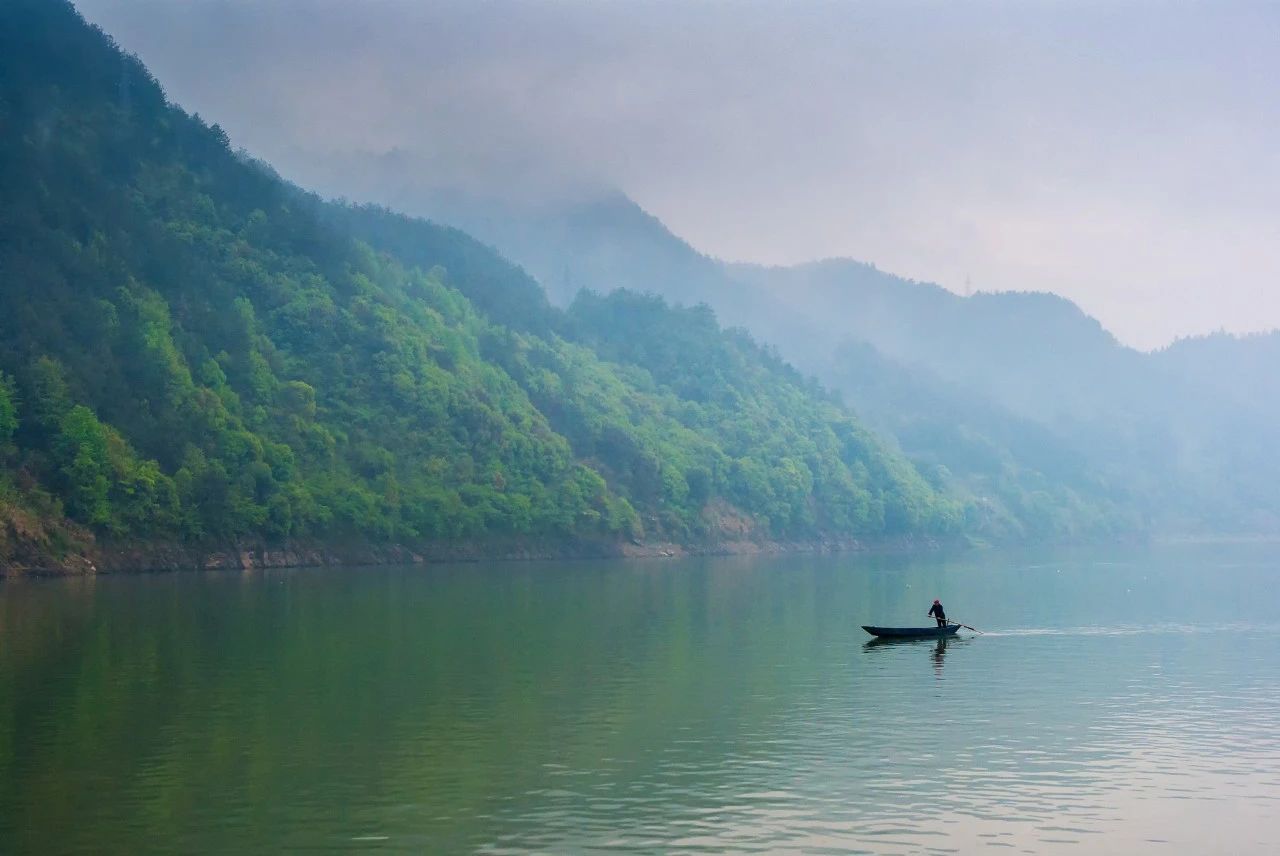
(965,626)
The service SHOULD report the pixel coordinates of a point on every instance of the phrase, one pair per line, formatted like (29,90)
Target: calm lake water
(1120,702)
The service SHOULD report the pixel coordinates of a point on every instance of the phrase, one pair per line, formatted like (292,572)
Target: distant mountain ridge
(1161,433)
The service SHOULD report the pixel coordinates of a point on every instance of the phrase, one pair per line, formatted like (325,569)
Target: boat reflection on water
(937,648)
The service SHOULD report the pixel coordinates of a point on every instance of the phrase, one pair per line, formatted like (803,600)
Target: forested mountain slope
(1242,369)
(1036,354)
(193,351)
(1022,479)
(599,240)
(1034,410)
(1177,432)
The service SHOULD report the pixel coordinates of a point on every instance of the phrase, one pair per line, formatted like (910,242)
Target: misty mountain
(1185,430)
(194,352)
(1242,369)
(1179,436)
(1008,346)
(594,242)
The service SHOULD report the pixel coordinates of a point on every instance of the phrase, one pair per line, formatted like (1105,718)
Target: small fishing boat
(911,632)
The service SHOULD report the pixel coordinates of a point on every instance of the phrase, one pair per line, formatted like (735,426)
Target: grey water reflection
(685,706)
(935,648)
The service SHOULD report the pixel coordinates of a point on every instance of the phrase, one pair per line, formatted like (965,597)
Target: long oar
(965,626)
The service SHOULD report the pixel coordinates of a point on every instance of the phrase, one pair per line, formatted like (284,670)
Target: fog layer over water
(1118,703)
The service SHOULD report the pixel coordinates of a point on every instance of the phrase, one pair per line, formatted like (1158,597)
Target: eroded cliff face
(30,541)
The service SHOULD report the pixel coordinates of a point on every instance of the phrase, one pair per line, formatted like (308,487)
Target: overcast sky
(1124,155)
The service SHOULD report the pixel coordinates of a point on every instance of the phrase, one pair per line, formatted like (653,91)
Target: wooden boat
(912,632)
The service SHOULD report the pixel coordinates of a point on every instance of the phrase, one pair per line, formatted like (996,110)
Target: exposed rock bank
(94,557)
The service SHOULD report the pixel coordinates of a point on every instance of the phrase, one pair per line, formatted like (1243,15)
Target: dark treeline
(193,350)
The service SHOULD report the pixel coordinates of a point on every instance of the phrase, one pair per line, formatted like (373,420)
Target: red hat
(935,600)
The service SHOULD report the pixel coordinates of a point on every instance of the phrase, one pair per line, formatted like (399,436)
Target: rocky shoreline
(151,557)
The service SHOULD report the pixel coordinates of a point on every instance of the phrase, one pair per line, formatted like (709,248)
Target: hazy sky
(1124,155)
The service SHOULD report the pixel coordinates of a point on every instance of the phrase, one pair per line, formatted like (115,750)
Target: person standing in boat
(938,612)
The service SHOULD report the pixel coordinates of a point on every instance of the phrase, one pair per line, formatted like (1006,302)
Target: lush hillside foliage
(192,349)
(916,384)
(782,444)
(1019,401)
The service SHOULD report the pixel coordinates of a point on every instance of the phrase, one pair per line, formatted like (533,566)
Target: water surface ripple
(1117,703)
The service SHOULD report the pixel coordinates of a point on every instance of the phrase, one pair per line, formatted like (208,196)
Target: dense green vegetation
(194,350)
(1019,402)
(784,445)
(1020,478)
